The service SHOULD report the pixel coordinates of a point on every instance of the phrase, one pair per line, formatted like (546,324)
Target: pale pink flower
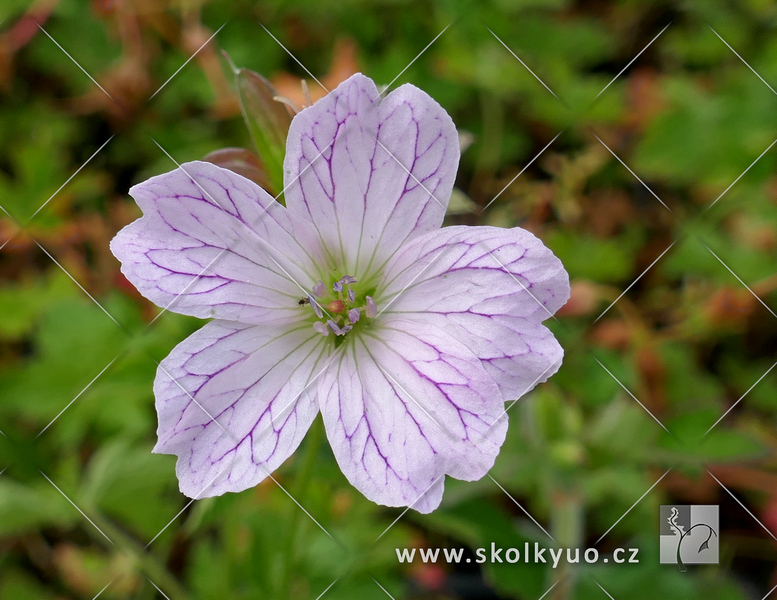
(350,301)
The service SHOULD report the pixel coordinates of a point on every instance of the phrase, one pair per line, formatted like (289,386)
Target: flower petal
(490,288)
(405,404)
(234,401)
(368,173)
(214,244)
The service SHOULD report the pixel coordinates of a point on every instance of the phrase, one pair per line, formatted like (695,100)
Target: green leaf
(268,121)
(603,261)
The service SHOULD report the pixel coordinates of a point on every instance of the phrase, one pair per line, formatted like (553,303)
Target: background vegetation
(85,505)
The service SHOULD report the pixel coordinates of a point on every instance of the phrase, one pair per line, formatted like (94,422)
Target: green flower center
(339,308)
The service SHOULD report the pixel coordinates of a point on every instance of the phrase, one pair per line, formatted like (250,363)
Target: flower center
(338,310)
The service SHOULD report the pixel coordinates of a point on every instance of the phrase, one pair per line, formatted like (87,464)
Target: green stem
(567,528)
(313,444)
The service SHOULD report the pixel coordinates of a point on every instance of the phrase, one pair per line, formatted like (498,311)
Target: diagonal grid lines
(650,489)
(216,258)
(83,514)
(747,510)
(75,62)
(227,247)
(624,69)
(733,406)
(733,183)
(231,464)
(514,278)
(743,60)
(633,283)
(81,393)
(645,185)
(605,591)
(525,66)
(88,160)
(46,203)
(739,279)
(625,389)
(526,166)
(526,512)
(188,60)
(429,45)
(82,288)
(382,588)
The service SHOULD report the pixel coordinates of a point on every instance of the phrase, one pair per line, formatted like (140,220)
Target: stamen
(338,285)
(319,289)
(316,308)
(341,310)
(337,329)
(372,309)
(321,328)
(287,102)
(306,94)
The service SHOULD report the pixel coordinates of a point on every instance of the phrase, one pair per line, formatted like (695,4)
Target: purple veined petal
(370,173)
(234,401)
(490,288)
(214,244)
(404,407)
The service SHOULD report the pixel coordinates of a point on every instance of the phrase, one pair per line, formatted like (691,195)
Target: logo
(688,535)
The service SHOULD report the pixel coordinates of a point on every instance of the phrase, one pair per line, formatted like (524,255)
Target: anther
(316,307)
(338,285)
(337,330)
(319,289)
(321,328)
(372,309)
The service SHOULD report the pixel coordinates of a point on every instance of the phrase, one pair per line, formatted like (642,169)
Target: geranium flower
(349,301)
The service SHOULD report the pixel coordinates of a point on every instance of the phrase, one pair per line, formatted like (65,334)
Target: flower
(350,301)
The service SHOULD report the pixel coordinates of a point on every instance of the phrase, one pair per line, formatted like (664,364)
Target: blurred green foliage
(688,341)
